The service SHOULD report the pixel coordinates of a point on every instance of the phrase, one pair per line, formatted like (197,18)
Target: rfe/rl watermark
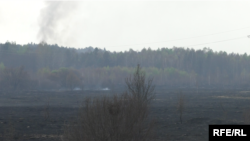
(228,132)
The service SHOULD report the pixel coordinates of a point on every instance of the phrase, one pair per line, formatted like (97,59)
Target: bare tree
(181,105)
(119,118)
(140,88)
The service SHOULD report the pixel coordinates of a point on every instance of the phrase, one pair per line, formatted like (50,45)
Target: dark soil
(41,115)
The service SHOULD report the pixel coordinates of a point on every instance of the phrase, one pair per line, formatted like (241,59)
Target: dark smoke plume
(54,21)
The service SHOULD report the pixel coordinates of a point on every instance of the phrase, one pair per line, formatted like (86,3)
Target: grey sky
(120,25)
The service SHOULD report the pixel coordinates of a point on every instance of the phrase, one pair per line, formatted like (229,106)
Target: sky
(123,25)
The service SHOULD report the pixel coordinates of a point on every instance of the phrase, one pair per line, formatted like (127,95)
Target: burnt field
(42,115)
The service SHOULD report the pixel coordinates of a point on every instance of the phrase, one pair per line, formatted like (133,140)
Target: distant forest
(44,66)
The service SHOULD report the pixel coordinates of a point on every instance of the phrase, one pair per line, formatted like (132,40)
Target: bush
(119,118)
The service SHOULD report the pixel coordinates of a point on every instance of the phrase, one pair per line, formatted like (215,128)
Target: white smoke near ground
(55,21)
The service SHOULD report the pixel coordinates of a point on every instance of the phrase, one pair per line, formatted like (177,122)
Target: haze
(121,25)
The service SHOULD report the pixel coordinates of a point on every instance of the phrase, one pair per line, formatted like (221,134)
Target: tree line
(51,66)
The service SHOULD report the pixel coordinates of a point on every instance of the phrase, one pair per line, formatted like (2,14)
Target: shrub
(116,118)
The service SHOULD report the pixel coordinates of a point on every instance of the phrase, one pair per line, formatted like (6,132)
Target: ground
(42,115)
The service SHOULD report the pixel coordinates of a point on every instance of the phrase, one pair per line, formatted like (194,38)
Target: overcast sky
(121,25)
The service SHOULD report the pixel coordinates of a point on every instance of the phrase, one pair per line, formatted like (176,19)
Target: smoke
(55,21)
